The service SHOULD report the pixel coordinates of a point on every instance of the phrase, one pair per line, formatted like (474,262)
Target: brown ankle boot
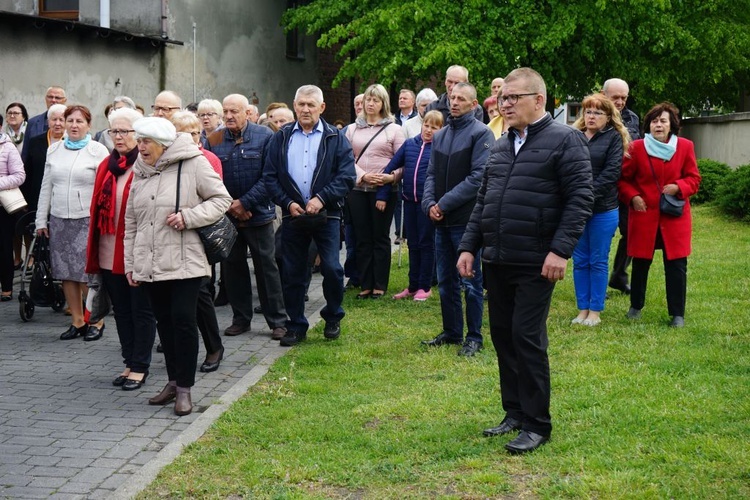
(165,396)
(183,405)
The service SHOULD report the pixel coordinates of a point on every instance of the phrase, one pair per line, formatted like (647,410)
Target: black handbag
(217,238)
(669,204)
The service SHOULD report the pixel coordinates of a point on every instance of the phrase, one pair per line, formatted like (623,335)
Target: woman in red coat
(659,163)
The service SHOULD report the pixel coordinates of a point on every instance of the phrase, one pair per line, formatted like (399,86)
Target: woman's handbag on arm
(217,238)
(669,204)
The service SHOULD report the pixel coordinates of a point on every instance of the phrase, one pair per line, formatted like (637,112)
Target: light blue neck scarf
(658,149)
(75,145)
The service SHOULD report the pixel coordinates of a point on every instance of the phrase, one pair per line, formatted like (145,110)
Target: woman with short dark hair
(16,117)
(660,163)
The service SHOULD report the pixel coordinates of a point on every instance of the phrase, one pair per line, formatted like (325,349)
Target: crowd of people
(493,198)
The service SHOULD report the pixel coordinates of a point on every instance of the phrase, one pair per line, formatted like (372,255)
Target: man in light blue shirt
(308,172)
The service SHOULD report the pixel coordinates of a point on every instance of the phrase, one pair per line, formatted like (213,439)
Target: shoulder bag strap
(177,200)
(368,142)
(653,172)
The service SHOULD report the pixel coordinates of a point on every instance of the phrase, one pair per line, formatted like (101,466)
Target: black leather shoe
(236,329)
(525,442)
(119,380)
(292,338)
(159,347)
(332,330)
(212,362)
(93,333)
(508,425)
(73,332)
(470,348)
(633,313)
(677,322)
(132,384)
(625,289)
(441,339)
(258,310)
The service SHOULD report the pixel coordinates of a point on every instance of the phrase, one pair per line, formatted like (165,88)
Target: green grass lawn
(639,410)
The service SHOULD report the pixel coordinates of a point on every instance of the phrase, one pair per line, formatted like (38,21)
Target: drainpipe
(104,13)
(164,13)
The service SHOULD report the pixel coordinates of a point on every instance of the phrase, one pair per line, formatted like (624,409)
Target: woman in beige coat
(163,253)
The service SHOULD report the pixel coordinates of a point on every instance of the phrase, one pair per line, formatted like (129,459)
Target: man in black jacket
(459,152)
(309,171)
(618,91)
(535,198)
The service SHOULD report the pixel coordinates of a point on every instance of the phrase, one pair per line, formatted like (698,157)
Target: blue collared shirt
(303,157)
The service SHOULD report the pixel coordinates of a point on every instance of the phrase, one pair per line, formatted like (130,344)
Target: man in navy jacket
(309,171)
(241,147)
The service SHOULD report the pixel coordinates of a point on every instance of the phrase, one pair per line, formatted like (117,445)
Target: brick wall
(338,100)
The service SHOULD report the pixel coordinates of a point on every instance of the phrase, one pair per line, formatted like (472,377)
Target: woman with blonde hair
(375,138)
(608,138)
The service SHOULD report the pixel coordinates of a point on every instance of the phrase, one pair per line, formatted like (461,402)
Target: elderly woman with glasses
(210,112)
(174,192)
(608,138)
(16,118)
(65,198)
(136,326)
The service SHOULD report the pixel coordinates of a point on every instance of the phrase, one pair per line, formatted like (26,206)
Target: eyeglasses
(512,98)
(121,133)
(591,112)
(206,115)
(13,113)
(162,109)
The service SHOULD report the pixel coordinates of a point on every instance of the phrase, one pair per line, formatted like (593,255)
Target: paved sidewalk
(66,432)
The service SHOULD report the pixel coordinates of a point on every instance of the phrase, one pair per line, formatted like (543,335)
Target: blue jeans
(591,260)
(296,243)
(450,284)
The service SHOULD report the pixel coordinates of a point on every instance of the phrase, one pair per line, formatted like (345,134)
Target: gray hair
(462,69)
(56,108)
(310,91)
(426,95)
(130,115)
(467,85)
(210,105)
(127,101)
(614,81)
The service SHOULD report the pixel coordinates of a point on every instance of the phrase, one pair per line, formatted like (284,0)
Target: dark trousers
(175,303)
(206,318)
(619,276)
(296,269)
(7,231)
(136,326)
(675,274)
(519,300)
(237,280)
(372,233)
(420,232)
(398,211)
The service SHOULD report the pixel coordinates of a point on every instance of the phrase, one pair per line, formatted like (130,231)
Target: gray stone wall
(722,138)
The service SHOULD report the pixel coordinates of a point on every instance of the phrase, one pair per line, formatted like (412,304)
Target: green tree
(691,52)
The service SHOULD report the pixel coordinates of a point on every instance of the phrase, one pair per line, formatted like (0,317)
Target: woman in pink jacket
(375,138)
(12,175)
(659,163)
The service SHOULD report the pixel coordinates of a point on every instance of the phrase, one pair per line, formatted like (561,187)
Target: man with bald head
(618,90)
(496,86)
(280,116)
(453,75)
(241,147)
(166,104)
(38,124)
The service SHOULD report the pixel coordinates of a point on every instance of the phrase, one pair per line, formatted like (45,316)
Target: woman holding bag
(660,163)
(12,175)
(163,252)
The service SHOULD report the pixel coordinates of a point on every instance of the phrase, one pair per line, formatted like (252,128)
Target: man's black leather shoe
(525,442)
(332,330)
(470,348)
(508,425)
(441,339)
(292,338)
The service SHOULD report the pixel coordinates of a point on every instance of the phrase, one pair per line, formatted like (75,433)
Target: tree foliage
(690,52)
